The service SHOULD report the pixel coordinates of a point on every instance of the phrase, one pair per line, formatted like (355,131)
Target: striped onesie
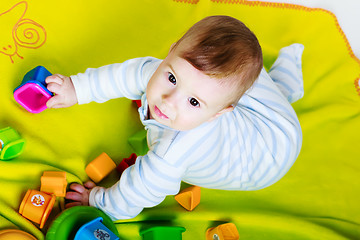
(249,148)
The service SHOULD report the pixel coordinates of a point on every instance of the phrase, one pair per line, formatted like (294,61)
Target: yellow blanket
(317,199)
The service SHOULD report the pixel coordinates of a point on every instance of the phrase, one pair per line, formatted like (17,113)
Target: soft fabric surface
(317,199)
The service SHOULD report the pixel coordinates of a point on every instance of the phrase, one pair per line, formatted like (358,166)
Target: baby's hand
(79,194)
(65,95)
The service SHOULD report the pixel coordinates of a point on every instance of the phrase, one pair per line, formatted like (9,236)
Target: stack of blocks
(37,205)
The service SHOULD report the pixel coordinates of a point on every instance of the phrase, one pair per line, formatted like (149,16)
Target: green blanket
(317,199)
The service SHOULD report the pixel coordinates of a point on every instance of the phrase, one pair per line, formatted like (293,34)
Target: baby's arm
(79,194)
(63,88)
(128,79)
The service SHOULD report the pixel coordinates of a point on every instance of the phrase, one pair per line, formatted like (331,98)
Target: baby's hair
(223,47)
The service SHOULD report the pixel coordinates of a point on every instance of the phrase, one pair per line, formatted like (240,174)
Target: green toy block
(163,233)
(139,143)
(11,144)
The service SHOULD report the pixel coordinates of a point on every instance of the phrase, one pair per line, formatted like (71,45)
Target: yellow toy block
(100,167)
(226,231)
(189,198)
(54,182)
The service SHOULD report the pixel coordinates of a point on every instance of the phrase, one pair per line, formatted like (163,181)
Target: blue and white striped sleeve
(127,79)
(143,185)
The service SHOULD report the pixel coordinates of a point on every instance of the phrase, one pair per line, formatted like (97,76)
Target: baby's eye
(194,102)
(172,78)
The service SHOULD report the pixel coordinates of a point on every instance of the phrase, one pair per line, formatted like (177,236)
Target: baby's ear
(221,112)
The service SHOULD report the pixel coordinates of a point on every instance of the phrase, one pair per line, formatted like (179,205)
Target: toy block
(11,144)
(189,198)
(126,162)
(36,206)
(69,221)
(32,94)
(226,231)
(138,142)
(54,182)
(15,234)
(138,103)
(163,233)
(95,229)
(100,167)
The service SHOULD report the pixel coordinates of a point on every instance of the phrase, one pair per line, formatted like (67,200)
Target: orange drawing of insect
(17,31)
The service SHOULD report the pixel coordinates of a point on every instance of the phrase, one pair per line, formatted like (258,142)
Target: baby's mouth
(159,113)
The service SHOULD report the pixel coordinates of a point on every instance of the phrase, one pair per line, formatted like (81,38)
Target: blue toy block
(95,230)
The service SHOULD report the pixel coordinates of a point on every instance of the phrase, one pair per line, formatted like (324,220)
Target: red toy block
(138,102)
(126,162)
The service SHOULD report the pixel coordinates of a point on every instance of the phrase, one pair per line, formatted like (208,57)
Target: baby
(208,123)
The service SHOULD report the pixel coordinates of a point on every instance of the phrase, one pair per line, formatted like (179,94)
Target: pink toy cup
(32,94)
(32,97)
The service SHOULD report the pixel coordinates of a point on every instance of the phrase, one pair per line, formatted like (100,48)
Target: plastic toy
(189,198)
(226,231)
(11,144)
(32,94)
(138,103)
(139,142)
(67,224)
(95,230)
(163,233)
(36,206)
(54,182)
(126,162)
(100,167)
(15,234)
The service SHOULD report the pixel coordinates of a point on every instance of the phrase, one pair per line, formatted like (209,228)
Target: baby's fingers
(77,187)
(56,78)
(54,87)
(54,102)
(75,196)
(90,185)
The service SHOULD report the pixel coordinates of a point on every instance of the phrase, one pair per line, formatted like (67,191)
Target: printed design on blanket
(18,31)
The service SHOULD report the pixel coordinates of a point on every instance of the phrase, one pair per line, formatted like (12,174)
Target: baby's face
(182,97)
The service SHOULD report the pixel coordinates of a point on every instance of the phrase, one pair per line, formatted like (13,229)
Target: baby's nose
(170,98)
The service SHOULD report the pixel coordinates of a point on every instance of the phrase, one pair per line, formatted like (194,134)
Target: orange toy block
(36,206)
(100,167)
(54,182)
(189,198)
(226,231)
